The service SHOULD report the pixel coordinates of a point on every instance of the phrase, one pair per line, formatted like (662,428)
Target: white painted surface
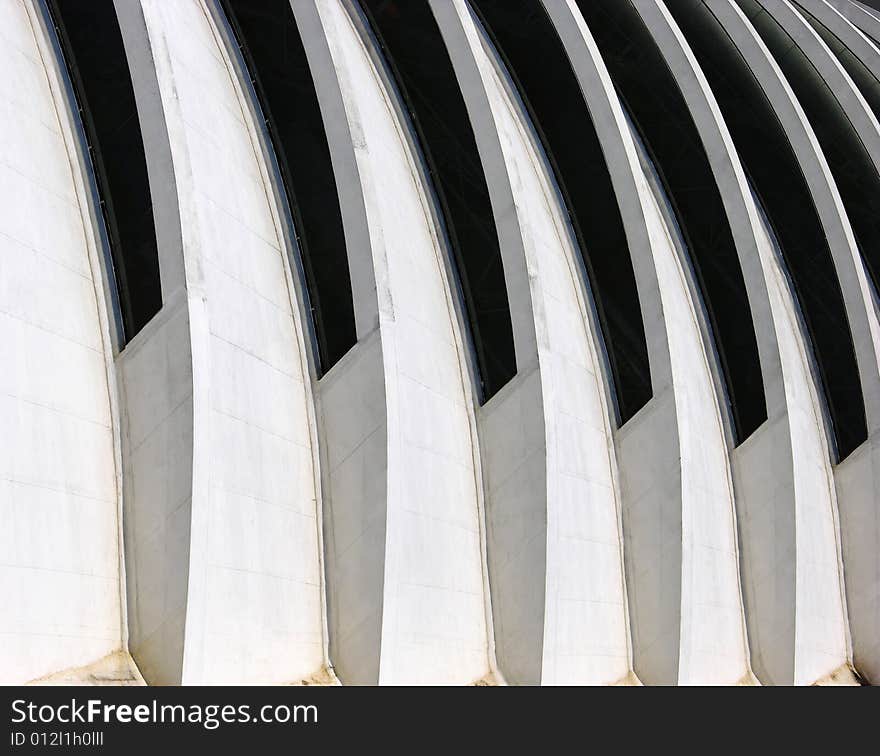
(858,493)
(253,607)
(59,551)
(413,414)
(712,641)
(221,477)
(565,492)
(859,520)
(155,375)
(782,473)
(837,16)
(820,647)
(821,602)
(861,16)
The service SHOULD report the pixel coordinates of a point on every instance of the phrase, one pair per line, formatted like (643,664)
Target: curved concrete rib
(866,19)
(221,494)
(858,482)
(155,383)
(676,492)
(854,478)
(406,580)
(790,448)
(60,580)
(554,541)
(712,638)
(649,472)
(845,91)
(838,17)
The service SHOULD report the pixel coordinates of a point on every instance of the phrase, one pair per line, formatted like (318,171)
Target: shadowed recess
(95,59)
(661,116)
(418,60)
(537,63)
(860,73)
(776,176)
(851,165)
(273,52)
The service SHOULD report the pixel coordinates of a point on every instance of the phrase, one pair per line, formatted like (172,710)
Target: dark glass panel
(779,183)
(537,62)
(419,62)
(858,71)
(95,57)
(851,165)
(673,142)
(273,52)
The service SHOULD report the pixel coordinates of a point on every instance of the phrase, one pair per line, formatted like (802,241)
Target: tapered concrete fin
(59,469)
(838,17)
(668,488)
(223,494)
(815,656)
(554,545)
(221,465)
(406,579)
(863,17)
(857,476)
(796,451)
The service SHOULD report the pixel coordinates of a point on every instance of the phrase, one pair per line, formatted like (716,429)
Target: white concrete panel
(829,605)
(405,570)
(858,521)
(712,641)
(566,623)
(825,62)
(59,548)
(799,629)
(249,506)
(782,473)
(858,493)
(866,19)
(155,373)
(602,555)
(838,17)
(678,519)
